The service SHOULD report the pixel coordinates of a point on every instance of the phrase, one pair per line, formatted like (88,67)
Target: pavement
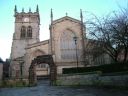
(44,89)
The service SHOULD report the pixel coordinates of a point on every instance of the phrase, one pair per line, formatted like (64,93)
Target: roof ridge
(67,17)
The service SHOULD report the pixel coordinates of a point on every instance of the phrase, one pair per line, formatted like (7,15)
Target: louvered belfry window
(23,32)
(29,32)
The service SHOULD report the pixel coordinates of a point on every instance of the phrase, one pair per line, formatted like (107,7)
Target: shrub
(107,68)
(14,83)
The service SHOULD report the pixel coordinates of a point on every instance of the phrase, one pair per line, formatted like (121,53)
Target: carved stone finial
(29,9)
(66,14)
(37,9)
(81,14)
(15,10)
(22,9)
(51,15)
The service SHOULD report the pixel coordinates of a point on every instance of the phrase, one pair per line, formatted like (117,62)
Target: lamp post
(75,39)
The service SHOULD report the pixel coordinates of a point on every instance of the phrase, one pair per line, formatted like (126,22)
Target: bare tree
(112,33)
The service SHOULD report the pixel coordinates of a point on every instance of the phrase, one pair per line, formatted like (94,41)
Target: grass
(14,83)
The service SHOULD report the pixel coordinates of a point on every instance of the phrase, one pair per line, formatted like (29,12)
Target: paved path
(43,89)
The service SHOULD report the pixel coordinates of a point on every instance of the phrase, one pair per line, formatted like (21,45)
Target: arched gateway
(38,60)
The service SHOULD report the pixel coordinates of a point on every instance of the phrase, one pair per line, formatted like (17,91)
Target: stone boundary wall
(92,79)
(1,71)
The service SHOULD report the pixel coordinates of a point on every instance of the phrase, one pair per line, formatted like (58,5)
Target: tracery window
(23,32)
(29,32)
(67,46)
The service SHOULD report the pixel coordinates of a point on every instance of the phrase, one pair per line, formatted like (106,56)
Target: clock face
(26,19)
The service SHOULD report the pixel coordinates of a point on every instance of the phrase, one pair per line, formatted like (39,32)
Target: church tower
(27,26)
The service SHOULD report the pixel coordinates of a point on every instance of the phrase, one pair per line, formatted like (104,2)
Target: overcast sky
(60,7)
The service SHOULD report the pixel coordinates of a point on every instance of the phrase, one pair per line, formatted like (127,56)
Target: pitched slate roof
(19,58)
(37,44)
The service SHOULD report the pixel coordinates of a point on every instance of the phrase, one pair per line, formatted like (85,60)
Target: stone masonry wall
(1,71)
(93,79)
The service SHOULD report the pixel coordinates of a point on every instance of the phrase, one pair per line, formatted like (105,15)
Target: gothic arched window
(23,32)
(67,46)
(29,32)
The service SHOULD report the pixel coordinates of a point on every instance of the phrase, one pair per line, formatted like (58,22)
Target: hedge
(107,68)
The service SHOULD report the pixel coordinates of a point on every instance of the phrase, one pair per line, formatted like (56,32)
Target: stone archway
(38,60)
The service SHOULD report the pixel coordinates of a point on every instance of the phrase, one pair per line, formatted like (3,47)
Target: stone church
(66,44)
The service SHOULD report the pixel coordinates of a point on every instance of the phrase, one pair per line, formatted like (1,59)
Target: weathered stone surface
(121,80)
(93,79)
(1,71)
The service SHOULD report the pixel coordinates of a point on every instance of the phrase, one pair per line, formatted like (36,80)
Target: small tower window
(23,32)
(29,32)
